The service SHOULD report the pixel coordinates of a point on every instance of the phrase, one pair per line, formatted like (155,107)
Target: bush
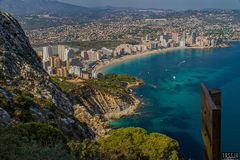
(22,102)
(17,91)
(27,93)
(14,146)
(129,143)
(41,133)
(7,105)
(41,141)
(46,103)
(112,83)
(63,84)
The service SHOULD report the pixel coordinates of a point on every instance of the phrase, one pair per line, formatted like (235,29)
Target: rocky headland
(56,118)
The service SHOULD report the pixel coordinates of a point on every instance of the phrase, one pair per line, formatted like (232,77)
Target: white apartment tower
(47,53)
(68,53)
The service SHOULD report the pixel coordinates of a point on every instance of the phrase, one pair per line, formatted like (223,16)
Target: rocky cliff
(96,101)
(79,110)
(27,93)
(98,107)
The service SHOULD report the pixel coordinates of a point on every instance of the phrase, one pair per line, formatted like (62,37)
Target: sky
(160,4)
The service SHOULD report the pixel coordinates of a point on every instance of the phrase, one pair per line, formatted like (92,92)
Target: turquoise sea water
(172,106)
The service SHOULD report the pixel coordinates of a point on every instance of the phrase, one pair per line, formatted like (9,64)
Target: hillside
(27,92)
(44,119)
(34,7)
(96,101)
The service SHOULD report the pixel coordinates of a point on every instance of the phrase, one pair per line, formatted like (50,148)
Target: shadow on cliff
(189,146)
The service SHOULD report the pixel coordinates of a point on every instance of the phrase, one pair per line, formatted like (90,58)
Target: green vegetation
(31,141)
(18,107)
(112,83)
(43,134)
(128,143)
(41,141)
(63,84)
(48,104)
(34,140)
(24,107)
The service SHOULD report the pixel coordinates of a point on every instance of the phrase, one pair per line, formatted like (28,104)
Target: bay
(171,96)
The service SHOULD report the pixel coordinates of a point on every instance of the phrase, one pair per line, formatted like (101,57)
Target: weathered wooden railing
(211,122)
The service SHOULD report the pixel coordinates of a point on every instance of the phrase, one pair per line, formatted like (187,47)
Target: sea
(171,101)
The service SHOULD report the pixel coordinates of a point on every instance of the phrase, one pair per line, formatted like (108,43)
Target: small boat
(174,77)
(181,62)
(153,86)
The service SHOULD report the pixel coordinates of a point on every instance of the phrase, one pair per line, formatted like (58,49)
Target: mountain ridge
(38,119)
(29,7)
(27,92)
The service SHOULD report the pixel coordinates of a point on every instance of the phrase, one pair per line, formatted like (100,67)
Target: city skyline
(160,4)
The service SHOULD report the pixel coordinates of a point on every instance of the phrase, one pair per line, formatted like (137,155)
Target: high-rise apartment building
(47,53)
(175,37)
(68,54)
(57,62)
(52,60)
(61,50)
(40,54)
(193,36)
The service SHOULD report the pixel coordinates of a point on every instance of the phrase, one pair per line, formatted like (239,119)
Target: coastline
(101,66)
(131,110)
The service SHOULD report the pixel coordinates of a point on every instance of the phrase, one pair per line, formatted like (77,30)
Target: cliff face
(26,89)
(100,102)
(27,92)
(98,106)
(21,66)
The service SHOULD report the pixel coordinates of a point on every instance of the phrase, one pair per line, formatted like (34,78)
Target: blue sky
(161,4)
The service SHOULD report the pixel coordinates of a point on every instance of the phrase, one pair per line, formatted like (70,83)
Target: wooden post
(211,122)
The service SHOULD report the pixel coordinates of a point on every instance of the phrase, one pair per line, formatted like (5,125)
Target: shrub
(27,93)
(7,105)
(51,106)
(42,133)
(14,146)
(17,91)
(22,102)
(112,83)
(131,143)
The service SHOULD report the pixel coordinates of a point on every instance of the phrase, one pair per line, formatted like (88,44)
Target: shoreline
(101,66)
(137,102)
(131,110)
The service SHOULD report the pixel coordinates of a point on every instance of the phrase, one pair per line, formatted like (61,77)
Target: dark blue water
(172,106)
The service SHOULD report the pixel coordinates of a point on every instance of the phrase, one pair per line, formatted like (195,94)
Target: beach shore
(101,66)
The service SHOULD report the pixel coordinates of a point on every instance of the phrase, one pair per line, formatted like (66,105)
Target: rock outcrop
(100,102)
(27,93)
(97,107)
(21,66)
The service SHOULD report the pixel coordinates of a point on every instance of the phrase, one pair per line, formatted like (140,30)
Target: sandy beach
(99,67)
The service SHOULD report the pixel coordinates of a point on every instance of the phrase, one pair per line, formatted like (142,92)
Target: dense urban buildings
(125,25)
(67,63)
(134,31)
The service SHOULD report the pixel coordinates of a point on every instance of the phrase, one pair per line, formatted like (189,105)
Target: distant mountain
(29,7)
